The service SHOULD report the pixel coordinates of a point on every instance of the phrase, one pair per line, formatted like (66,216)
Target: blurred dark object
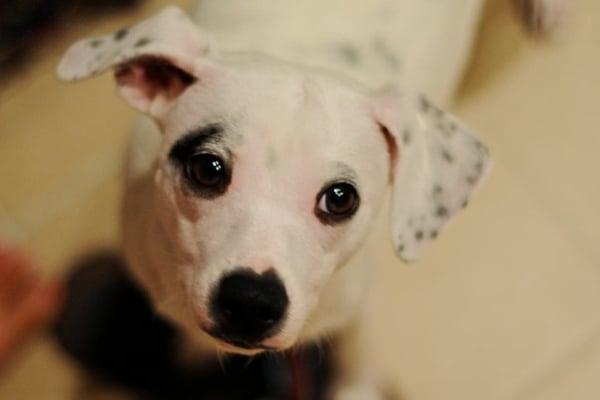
(27,25)
(109,327)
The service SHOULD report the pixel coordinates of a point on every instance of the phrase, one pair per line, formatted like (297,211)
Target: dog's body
(231,188)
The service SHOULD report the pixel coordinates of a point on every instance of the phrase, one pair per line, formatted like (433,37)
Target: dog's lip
(238,344)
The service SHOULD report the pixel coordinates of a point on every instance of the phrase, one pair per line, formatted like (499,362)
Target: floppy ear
(153,61)
(437,163)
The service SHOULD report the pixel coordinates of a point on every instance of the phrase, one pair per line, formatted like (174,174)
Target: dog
(263,162)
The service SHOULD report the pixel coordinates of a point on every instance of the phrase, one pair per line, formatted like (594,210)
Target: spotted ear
(437,163)
(153,61)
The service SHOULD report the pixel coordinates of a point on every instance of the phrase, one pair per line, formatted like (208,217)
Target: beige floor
(503,307)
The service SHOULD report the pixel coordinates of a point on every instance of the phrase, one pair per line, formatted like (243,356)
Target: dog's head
(270,175)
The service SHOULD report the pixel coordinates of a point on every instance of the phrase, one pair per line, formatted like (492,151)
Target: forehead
(281,114)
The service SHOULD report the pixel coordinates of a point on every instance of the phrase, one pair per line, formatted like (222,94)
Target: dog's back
(422,44)
(376,42)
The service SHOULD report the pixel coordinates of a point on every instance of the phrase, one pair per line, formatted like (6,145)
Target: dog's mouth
(237,345)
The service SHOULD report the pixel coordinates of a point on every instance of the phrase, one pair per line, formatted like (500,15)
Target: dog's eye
(337,202)
(208,174)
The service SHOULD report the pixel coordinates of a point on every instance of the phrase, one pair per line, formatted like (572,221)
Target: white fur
(289,126)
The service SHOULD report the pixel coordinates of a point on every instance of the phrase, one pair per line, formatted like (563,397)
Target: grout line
(564,222)
(558,366)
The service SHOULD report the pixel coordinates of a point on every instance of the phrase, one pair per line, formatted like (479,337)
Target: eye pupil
(337,202)
(207,172)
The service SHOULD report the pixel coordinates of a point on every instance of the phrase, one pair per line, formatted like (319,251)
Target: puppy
(255,180)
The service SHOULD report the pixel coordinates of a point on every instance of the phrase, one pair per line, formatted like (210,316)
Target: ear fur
(437,166)
(154,61)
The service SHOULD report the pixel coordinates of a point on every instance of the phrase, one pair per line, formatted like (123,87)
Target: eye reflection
(337,203)
(207,174)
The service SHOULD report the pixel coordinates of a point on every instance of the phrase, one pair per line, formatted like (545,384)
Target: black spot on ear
(400,248)
(433,234)
(441,212)
(447,156)
(95,43)
(437,189)
(480,146)
(465,203)
(479,167)
(121,33)
(447,129)
(142,42)
(419,235)
(471,180)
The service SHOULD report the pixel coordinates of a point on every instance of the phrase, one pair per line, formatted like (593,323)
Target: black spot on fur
(465,203)
(189,143)
(447,156)
(419,235)
(95,43)
(142,42)
(479,167)
(471,180)
(480,146)
(441,212)
(433,234)
(437,189)
(349,53)
(121,33)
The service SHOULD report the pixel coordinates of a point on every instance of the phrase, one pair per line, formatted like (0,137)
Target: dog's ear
(153,61)
(436,164)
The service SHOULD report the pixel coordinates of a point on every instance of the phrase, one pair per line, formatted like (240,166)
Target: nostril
(249,305)
(270,313)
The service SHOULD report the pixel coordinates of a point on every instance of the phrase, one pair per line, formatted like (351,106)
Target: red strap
(301,385)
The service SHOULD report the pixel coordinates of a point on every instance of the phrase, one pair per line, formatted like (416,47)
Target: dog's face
(264,190)
(270,174)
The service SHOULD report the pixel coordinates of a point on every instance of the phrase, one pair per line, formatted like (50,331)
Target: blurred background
(505,307)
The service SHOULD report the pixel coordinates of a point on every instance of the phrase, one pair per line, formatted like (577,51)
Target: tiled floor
(503,307)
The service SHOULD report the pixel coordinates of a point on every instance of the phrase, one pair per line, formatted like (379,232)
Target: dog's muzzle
(248,308)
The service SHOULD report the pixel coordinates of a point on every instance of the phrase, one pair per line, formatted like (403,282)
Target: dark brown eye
(337,202)
(208,174)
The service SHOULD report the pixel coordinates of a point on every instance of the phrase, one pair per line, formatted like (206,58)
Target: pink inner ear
(147,77)
(392,147)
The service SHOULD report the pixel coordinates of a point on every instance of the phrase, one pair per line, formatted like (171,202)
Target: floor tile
(501,295)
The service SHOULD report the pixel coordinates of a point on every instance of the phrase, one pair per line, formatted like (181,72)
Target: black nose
(247,307)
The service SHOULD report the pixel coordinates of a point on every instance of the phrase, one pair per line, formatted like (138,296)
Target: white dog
(253,189)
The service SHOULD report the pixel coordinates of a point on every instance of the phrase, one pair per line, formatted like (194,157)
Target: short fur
(340,107)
